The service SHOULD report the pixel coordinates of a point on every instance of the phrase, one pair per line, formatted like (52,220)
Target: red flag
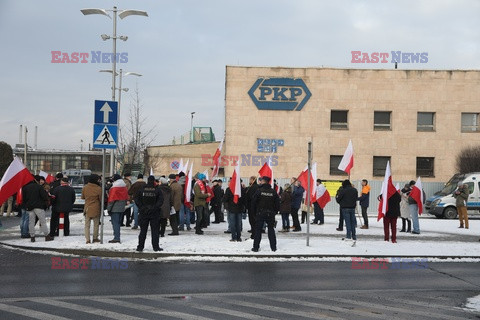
(388,189)
(49,179)
(118,191)
(19,197)
(303,178)
(188,186)
(267,171)
(216,160)
(234,184)
(417,195)
(346,164)
(323,196)
(16,176)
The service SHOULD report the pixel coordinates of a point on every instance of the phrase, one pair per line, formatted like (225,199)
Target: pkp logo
(279,94)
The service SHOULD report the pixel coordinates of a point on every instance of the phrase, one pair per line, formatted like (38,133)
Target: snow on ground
(439,238)
(473,304)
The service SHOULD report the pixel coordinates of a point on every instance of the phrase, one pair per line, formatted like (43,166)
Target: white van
(442,203)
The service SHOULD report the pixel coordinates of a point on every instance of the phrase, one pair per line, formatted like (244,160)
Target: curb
(154,255)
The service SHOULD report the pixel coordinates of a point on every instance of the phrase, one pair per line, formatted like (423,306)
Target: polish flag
(417,195)
(234,184)
(267,171)
(188,186)
(347,161)
(49,179)
(216,159)
(323,196)
(388,189)
(397,186)
(303,178)
(43,174)
(16,176)
(184,169)
(19,199)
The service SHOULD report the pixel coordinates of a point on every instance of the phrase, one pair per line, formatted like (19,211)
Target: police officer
(265,204)
(149,200)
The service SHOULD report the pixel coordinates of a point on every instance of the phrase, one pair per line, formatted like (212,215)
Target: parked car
(442,203)
(79,203)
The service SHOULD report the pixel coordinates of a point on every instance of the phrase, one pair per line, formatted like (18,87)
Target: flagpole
(102,208)
(309,194)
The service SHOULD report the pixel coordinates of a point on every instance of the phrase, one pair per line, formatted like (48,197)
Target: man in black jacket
(251,190)
(149,201)
(347,198)
(63,199)
(35,200)
(265,204)
(216,202)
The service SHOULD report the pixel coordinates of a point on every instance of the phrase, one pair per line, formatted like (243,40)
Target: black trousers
(296,223)
(154,223)
(55,220)
(318,212)
(340,221)
(365,216)
(252,219)
(173,224)
(217,209)
(128,214)
(201,212)
(269,219)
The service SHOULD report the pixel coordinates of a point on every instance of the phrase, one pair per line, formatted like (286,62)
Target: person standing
(218,194)
(9,204)
(251,190)
(286,207)
(341,219)
(413,205)
(184,218)
(235,211)
(132,192)
(149,200)
(63,199)
(35,199)
(404,209)
(461,196)
(266,204)
(166,208)
(297,196)
(177,194)
(391,216)
(319,216)
(364,200)
(200,203)
(92,194)
(117,200)
(127,178)
(347,198)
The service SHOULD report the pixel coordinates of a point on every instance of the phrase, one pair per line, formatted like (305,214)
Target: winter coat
(34,196)
(251,190)
(136,187)
(218,196)
(404,208)
(117,197)
(393,210)
(150,211)
(200,199)
(347,197)
(461,197)
(92,194)
(230,205)
(167,200)
(286,201)
(64,197)
(364,198)
(177,195)
(297,196)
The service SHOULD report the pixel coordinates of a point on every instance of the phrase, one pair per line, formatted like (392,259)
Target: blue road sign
(105,136)
(106,112)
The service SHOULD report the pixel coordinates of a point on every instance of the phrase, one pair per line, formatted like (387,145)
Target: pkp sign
(279,94)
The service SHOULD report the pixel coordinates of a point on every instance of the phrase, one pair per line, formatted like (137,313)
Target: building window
(339,120)
(379,166)
(334,162)
(382,120)
(425,167)
(470,122)
(426,121)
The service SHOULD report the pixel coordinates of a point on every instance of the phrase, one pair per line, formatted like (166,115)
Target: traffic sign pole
(102,205)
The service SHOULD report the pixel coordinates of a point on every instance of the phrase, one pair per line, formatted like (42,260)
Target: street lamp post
(191,128)
(122,14)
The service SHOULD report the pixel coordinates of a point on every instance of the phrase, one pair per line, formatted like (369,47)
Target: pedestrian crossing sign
(105,136)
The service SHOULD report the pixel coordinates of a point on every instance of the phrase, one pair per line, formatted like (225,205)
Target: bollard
(61,232)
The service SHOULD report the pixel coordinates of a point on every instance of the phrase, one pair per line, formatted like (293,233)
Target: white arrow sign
(106,111)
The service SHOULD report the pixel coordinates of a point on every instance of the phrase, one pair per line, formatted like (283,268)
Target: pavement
(440,239)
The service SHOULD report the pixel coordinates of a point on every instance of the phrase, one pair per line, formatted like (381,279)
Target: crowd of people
(161,202)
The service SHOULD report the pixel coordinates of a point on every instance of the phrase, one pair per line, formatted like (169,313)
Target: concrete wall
(403,92)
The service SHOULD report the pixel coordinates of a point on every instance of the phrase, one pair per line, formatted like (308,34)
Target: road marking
(29,313)
(89,309)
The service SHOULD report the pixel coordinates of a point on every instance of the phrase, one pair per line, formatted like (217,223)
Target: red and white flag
(180,166)
(234,184)
(323,196)
(303,178)
(216,159)
(267,171)
(16,176)
(347,161)
(185,167)
(188,186)
(49,179)
(417,195)
(388,189)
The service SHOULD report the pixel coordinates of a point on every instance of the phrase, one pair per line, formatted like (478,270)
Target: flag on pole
(185,167)
(180,166)
(323,196)
(188,186)
(303,178)
(346,164)
(43,174)
(417,195)
(234,184)
(216,159)
(388,189)
(16,176)
(267,171)
(397,186)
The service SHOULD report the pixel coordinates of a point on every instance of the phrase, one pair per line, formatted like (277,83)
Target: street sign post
(105,136)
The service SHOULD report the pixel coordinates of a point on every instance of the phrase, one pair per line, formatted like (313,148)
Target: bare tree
(468,160)
(135,136)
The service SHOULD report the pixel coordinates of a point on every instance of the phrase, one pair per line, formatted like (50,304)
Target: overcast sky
(182,49)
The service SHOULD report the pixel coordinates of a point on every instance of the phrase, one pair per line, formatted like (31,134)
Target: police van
(442,203)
